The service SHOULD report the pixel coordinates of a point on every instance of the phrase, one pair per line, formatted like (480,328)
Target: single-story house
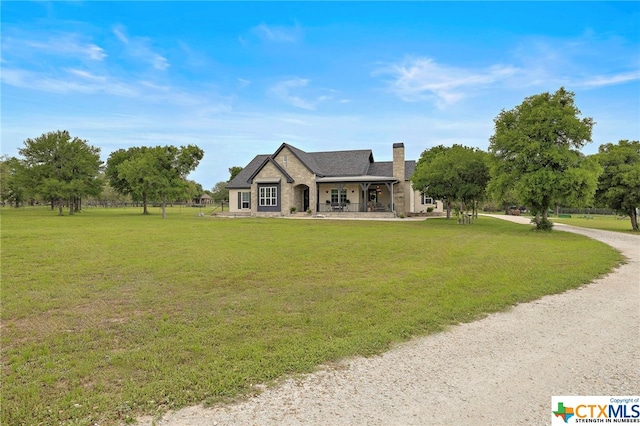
(335,182)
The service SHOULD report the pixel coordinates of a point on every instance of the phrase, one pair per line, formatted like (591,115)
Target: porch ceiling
(334,179)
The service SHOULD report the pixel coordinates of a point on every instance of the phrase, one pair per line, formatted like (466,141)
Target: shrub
(543,224)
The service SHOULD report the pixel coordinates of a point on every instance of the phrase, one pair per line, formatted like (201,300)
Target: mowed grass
(604,222)
(108,314)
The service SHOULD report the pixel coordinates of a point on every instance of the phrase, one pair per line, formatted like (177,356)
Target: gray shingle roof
(343,163)
(385,168)
(242,179)
(326,164)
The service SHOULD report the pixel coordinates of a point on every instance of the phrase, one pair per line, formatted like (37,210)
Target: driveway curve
(501,370)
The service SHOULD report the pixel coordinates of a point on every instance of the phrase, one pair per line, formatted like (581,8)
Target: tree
(535,151)
(13,186)
(233,171)
(619,183)
(220,192)
(457,173)
(159,171)
(60,167)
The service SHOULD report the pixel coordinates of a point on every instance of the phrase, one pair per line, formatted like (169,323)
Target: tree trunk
(72,205)
(144,204)
(634,219)
(60,206)
(164,207)
(448,209)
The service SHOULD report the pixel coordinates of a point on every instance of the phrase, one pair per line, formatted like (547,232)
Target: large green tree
(233,172)
(535,149)
(60,167)
(454,174)
(159,172)
(619,183)
(220,192)
(13,181)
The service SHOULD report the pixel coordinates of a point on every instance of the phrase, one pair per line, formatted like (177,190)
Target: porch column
(390,188)
(365,196)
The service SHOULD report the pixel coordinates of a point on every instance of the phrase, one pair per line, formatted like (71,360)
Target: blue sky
(238,79)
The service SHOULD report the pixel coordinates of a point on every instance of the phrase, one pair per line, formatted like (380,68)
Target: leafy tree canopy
(233,172)
(60,167)
(535,149)
(619,183)
(159,171)
(456,173)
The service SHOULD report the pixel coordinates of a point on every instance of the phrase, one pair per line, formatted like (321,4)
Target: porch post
(390,188)
(393,206)
(365,196)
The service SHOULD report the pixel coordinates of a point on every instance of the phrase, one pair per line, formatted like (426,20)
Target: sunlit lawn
(604,222)
(108,314)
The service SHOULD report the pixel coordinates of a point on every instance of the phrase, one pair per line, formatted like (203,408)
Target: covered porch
(355,194)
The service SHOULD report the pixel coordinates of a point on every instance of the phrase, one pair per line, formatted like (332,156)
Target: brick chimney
(398,173)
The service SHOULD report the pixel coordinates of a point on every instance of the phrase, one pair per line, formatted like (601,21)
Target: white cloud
(243,82)
(298,93)
(139,48)
(58,44)
(283,90)
(274,33)
(85,74)
(419,79)
(608,80)
(577,62)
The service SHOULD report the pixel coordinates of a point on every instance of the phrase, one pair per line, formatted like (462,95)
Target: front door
(305,200)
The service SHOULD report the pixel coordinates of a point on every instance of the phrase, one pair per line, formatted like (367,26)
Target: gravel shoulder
(500,370)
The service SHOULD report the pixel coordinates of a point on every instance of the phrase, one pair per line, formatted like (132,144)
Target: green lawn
(108,314)
(604,222)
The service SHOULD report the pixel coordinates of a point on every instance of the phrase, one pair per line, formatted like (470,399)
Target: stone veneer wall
(398,173)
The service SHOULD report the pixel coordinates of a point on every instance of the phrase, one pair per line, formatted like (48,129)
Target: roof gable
(270,160)
(242,179)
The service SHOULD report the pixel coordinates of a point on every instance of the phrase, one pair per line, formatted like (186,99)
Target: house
(330,182)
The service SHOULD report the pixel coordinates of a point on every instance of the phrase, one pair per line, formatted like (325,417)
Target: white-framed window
(425,199)
(334,196)
(268,196)
(245,202)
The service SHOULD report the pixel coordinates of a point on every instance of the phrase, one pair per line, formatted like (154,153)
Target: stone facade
(398,172)
(317,182)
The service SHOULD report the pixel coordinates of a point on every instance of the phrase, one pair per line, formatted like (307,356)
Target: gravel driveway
(501,370)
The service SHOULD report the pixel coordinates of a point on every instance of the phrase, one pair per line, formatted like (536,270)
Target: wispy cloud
(73,81)
(139,48)
(578,61)
(608,80)
(284,90)
(419,79)
(58,44)
(298,92)
(275,33)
